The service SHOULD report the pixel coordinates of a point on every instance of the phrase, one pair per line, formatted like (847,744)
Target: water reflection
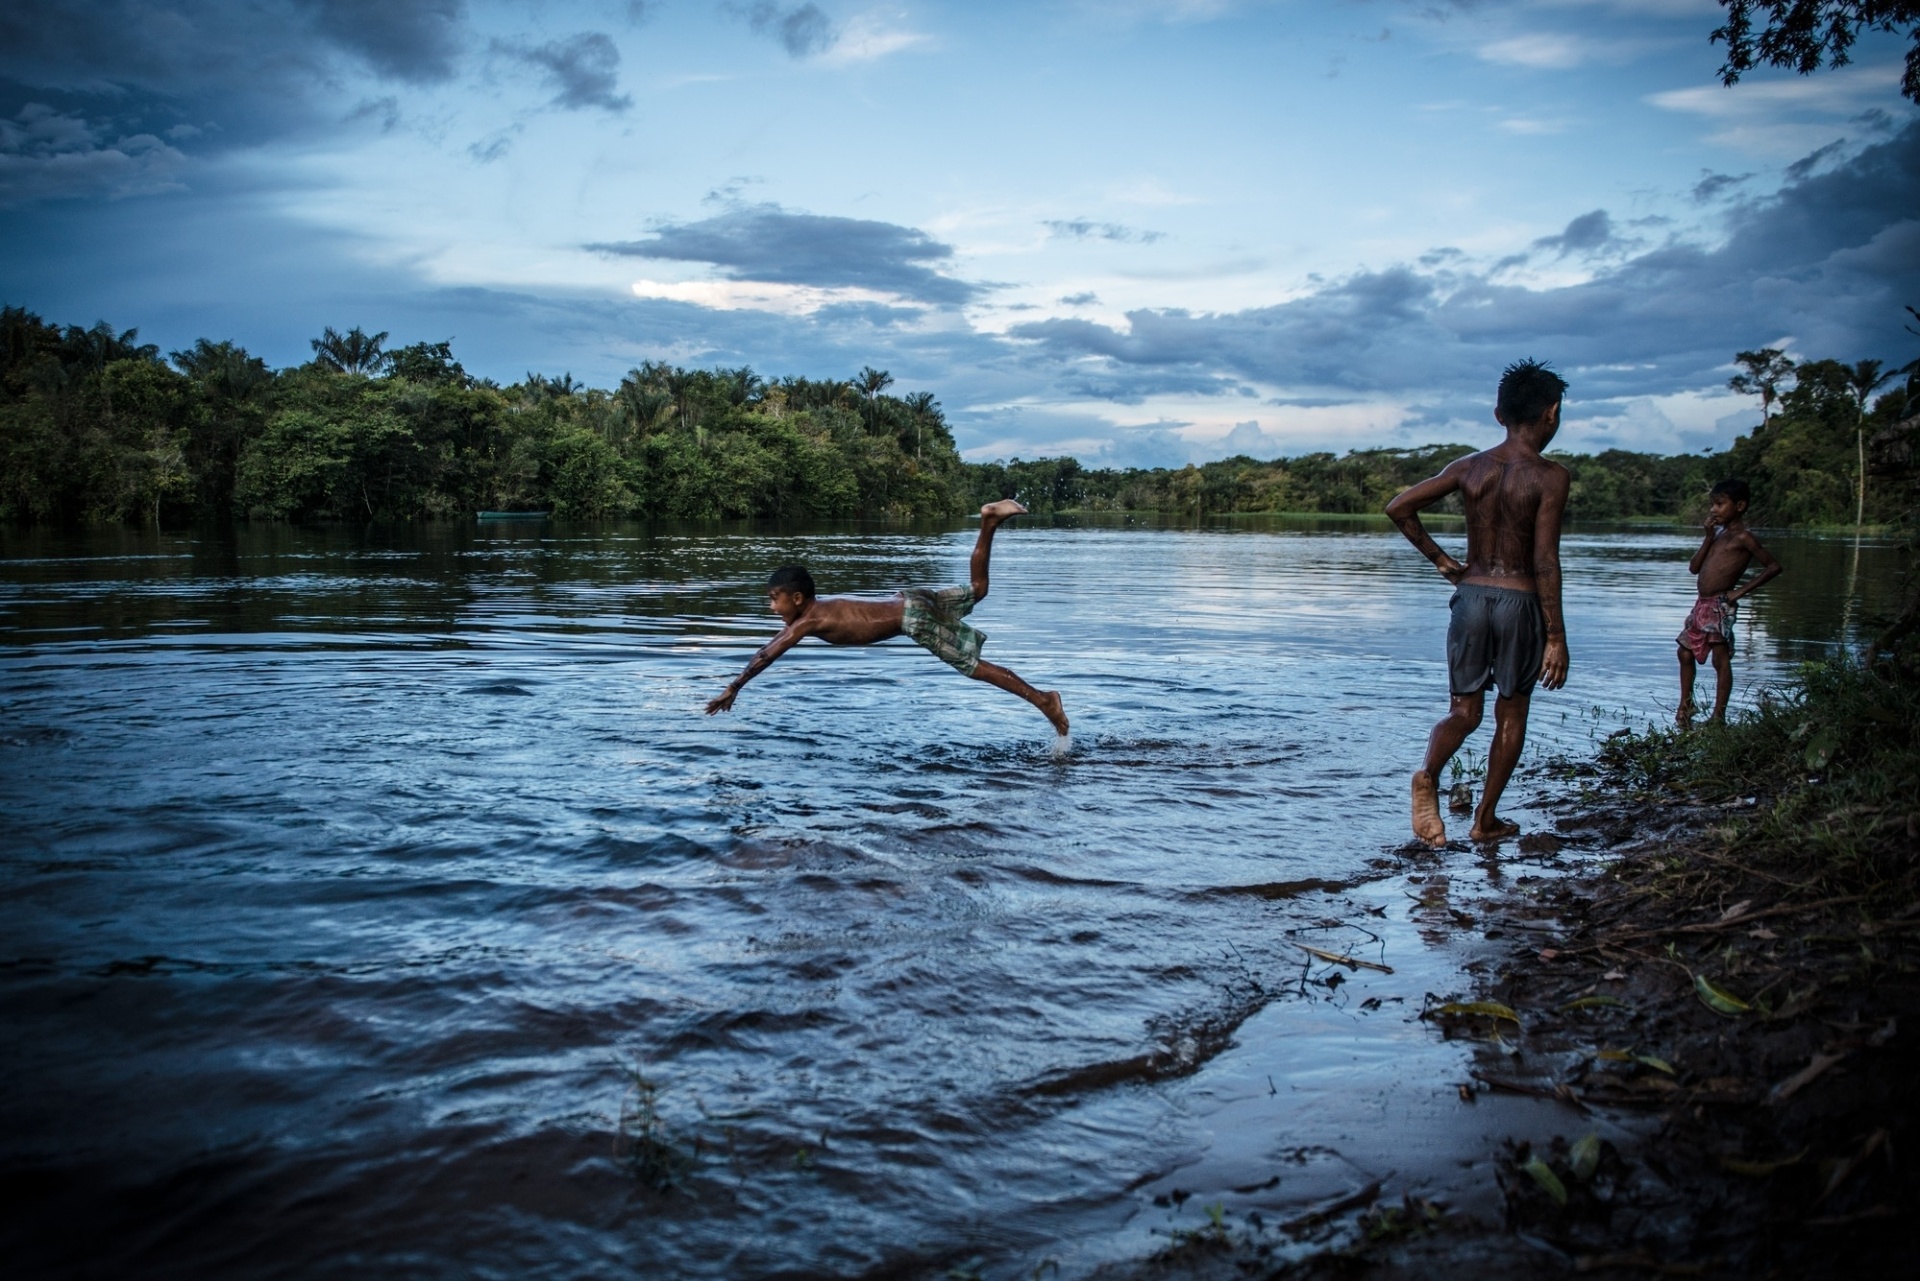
(344,871)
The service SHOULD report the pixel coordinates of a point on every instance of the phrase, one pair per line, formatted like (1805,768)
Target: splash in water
(1062,746)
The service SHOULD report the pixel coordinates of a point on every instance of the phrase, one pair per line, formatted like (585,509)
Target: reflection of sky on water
(364,860)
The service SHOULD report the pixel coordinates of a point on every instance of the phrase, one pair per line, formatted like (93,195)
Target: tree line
(96,427)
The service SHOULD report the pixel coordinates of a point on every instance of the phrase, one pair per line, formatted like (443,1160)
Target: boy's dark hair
(1528,389)
(792,578)
(1734,488)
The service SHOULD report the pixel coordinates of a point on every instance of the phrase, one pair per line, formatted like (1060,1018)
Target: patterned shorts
(932,618)
(1710,624)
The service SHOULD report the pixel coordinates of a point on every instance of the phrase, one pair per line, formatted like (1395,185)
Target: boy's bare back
(843,620)
(1504,490)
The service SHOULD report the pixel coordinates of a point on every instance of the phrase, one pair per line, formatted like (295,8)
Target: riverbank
(1702,992)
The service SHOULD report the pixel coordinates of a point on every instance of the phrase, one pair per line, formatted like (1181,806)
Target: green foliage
(1834,752)
(96,428)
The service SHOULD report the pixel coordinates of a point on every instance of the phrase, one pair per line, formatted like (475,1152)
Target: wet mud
(1651,1088)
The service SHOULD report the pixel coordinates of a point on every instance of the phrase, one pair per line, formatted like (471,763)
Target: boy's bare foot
(1427,823)
(1055,711)
(997,512)
(1492,828)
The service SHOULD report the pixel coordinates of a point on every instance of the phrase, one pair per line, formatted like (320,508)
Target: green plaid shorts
(932,618)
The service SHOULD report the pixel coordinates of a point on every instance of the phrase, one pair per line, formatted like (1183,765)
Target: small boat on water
(515,515)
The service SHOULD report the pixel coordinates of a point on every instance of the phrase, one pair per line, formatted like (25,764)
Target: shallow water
(350,876)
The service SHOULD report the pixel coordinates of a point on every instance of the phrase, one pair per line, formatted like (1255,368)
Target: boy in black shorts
(1507,629)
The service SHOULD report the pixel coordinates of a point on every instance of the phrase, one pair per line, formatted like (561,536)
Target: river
(352,880)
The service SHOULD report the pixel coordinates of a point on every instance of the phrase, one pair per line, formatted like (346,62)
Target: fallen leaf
(1616,1056)
(1487,1009)
(1736,909)
(1585,1157)
(1762,933)
(1720,1002)
(1594,1003)
(1549,1181)
(1657,1064)
(1614,976)
(1803,1078)
(1549,954)
(1760,1169)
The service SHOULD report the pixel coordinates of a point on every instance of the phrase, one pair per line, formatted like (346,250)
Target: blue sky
(1145,231)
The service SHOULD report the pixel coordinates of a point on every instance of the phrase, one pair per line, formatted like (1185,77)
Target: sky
(1143,232)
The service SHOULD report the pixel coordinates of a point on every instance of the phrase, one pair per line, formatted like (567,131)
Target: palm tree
(924,408)
(645,408)
(1863,378)
(870,382)
(1766,369)
(354,352)
(223,371)
(679,383)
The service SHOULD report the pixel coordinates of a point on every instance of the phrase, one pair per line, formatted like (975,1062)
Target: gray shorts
(1498,635)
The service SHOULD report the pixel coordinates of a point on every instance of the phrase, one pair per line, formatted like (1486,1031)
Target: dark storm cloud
(1829,259)
(1083,229)
(194,75)
(768,244)
(802,31)
(412,40)
(1588,233)
(584,70)
(1714,185)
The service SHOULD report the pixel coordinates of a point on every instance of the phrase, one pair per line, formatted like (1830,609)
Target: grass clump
(1823,775)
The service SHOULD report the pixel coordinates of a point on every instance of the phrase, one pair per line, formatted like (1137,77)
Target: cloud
(1082,299)
(46,154)
(1802,168)
(769,245)
(211,75)
(1831,258)
(1082,229)
(1714,185)
(1587,234)
(412,40)
(584,69)
(802,31)
(1540,51)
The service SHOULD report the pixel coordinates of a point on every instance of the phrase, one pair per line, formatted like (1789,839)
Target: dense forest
(96,427)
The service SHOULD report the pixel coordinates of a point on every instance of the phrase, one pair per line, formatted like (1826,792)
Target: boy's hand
(1450,569)
(724,703)
(1553,668)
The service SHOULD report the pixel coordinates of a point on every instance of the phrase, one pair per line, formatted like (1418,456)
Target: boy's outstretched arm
(762,659)
(1405,510)
(1770,569)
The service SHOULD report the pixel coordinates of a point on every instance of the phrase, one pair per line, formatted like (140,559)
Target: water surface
(349,876)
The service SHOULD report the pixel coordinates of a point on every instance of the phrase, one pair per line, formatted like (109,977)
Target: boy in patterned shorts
(930,616)
(1726,551)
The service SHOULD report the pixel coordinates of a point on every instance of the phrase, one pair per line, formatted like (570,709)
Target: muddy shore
(1689,1057)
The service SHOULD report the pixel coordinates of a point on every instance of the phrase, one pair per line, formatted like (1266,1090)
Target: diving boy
(930,616)
(1724,554)
(1506,627)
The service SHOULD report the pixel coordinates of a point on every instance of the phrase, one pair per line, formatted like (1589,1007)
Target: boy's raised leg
(1463,717)
(1684,716)
(1048,701)
(1509,736)
(991,517)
